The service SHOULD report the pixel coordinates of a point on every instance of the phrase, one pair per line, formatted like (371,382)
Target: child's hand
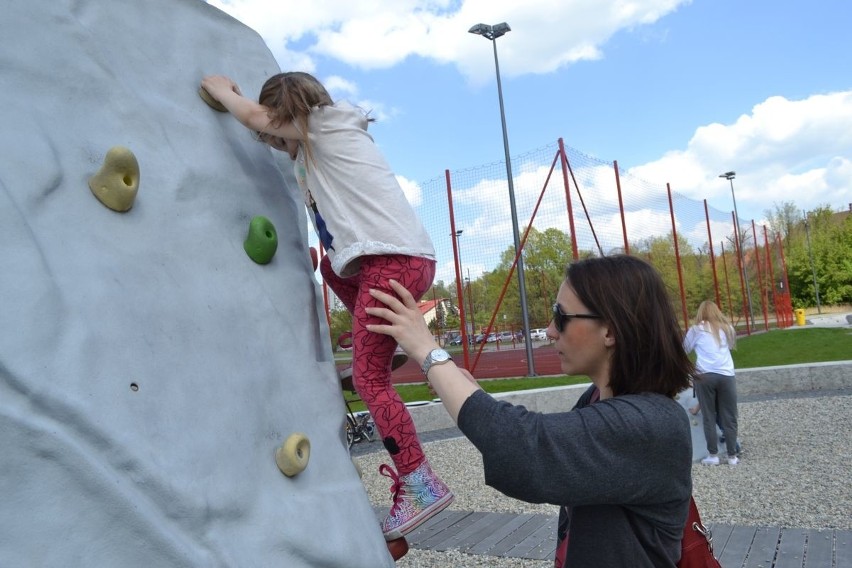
(217,85)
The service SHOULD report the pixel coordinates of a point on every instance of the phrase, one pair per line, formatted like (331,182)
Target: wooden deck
(532,536)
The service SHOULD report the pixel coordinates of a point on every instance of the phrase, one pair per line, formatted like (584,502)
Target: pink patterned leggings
(372,352)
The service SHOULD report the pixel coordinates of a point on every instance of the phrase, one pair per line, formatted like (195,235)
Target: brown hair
(290,98)
(630,296)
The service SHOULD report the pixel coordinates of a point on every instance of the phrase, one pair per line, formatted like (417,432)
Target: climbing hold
(262,240)
(397,547)
(314,258)
(293,455)
(213,103)
(116,183)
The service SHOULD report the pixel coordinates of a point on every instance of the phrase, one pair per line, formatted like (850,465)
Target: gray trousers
(718,393)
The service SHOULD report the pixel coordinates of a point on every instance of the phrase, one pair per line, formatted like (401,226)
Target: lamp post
(491,33)
(730,177)
(811,256)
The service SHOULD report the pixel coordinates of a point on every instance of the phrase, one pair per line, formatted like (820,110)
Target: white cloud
(411,190)
(785,150)
(382,33)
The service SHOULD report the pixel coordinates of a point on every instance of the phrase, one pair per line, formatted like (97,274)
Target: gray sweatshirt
(622,465)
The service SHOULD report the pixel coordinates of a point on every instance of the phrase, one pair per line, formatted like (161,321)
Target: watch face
(436,356)
(440,355)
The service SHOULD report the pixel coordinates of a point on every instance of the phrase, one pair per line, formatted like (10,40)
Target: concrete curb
(759,380)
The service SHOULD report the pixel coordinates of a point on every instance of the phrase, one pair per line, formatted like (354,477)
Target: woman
(622,465)
(712,338)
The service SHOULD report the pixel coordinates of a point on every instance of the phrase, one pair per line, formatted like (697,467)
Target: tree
(784,219)
(341,322)
(546,254)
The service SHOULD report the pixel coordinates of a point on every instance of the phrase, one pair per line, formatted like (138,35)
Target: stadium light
(730,177)
(491,33)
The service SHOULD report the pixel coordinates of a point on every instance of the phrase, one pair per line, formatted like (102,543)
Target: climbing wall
(151,370)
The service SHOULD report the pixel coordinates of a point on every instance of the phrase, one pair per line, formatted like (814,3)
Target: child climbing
(371,235)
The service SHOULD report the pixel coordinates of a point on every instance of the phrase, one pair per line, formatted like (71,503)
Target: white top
(711,357)
(354,200)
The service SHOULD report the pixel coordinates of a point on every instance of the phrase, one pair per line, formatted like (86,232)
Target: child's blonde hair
(710,314)
(290,98)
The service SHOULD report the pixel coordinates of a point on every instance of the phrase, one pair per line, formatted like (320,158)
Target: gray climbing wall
(148,368)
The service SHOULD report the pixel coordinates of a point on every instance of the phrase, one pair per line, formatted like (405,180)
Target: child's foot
(417,497)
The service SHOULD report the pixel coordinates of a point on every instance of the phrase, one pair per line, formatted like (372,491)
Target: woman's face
(584,344)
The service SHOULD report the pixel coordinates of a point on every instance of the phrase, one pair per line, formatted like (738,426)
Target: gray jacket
(623,466)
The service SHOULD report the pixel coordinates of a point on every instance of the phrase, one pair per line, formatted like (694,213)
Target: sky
(676,91)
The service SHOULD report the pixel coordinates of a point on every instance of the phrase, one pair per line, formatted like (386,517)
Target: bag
(696,548)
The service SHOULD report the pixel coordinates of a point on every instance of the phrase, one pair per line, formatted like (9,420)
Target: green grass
(776,347)
(793,346)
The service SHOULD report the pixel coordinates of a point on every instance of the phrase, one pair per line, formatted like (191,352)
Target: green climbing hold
(262,240)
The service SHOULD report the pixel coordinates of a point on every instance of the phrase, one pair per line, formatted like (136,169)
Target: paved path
(532,536)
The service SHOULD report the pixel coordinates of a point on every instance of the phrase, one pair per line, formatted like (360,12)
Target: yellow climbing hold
(117,182)
(293,455)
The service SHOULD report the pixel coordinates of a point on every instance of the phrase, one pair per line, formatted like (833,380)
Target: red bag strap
(697,544)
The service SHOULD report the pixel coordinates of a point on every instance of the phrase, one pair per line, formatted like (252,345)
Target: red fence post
(677,260)
(760,278)
(789,306)
(740,267)
(712,256)
(564,163)
(771,287)
(621,207)
(727,281)
(459,291)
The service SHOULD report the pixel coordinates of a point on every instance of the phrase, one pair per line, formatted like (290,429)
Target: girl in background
(712,338)
(371,235)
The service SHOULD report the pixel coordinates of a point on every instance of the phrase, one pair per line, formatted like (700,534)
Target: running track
(507,362)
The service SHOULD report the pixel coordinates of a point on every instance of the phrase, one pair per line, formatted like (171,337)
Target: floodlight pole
(491,33)
(730,177)
(811,257)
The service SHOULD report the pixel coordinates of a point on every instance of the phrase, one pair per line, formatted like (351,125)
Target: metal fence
(571,205)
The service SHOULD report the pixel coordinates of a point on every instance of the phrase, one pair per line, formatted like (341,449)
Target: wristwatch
(435,357)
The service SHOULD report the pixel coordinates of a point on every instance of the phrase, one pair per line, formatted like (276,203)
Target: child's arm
(252,115)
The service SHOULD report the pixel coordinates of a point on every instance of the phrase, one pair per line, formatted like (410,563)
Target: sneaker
(710,460)
(417,497)
(733,460)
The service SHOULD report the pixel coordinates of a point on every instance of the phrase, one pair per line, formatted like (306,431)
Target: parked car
(457,340)
(505,336)
(539,334)
(492,337)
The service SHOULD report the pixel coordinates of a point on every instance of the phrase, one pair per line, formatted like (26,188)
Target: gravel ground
(794,472)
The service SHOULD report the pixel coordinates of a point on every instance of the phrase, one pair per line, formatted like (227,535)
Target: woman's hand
(405,322)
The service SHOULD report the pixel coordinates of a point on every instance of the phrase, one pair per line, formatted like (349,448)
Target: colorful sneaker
(712,459)
(733,460)
(417,497)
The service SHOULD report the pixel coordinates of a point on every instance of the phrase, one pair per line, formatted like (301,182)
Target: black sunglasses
(560,318)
